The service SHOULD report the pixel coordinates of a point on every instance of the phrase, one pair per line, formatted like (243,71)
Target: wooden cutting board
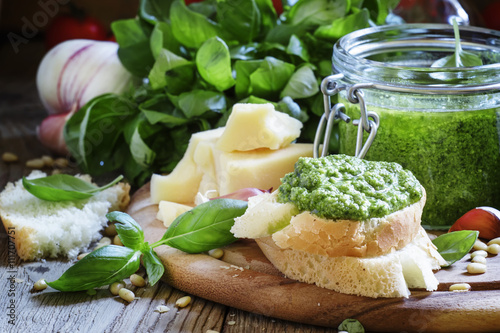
(243,278)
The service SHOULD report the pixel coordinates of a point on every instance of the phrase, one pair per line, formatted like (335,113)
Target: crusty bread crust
(389,275)
(371,238)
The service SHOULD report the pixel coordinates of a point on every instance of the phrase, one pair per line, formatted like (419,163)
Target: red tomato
(278,6)
(491,15)
(67,27)
(187,2)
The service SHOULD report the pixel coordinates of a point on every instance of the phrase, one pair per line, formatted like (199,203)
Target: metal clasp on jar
(333,114)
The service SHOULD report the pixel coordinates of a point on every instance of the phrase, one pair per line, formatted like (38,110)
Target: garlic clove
(50,132)
(486,220)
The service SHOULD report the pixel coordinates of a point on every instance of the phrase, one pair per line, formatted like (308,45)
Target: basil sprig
(351,326)
(63,187)
(453,246)
(205,227)
(459,58)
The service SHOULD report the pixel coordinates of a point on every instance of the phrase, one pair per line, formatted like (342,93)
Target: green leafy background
(193,63)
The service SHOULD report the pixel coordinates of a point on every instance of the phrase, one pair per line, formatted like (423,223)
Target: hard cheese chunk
(254,126)
(169,211)
(181,185)
(262,168)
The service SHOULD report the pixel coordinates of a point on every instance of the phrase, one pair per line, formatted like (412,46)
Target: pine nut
(40,285)
(137,280)
(476,268)
(61,162)
(36,163)
(103,242)
(110,230)
(494,241)
(126,295)
(9,157)
(479,260)
(460,287)
(481,253)
(183,302)
(56,172)
(48,161)
(493,249)
(479,245)
(81,256)
(115,287)
(117,241)
(212,331)
(216,253)
(162,308)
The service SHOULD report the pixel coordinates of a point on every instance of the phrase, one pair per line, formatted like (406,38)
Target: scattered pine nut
(493,249)
(216,253)
(162,308)
(115,287)
(479,260)
(82,255)
(48,160)
(56,172)
(460,287)
(110,230)
(61,162)
(9,157)
(126,295)
(231,322)
(476,268)
(481,253)
(137,280)
(212,331)
(183,302)
(479,245)
(103,242)
(40,285)
(494,241)
(36,163)
(117,241)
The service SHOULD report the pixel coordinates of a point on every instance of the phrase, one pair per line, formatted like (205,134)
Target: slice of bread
(334,238)
(45,229)
(389,275)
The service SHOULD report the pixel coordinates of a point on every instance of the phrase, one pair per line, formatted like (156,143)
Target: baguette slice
(44,229)
(389,275)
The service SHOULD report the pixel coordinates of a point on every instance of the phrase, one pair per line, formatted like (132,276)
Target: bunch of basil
(192,63)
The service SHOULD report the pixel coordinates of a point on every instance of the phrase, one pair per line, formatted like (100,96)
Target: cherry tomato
(187,2)
(67,27)
(278,6)
(491,15)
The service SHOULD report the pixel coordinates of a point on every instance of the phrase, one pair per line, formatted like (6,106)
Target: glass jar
(443,124)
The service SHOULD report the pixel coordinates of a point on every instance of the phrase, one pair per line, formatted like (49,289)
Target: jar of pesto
(443,124)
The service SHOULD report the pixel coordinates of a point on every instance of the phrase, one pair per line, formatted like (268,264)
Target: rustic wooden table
(52,311)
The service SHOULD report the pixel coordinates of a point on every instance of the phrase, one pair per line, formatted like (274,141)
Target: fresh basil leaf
(459,58)
(205,227)
(101,267)
(379,9)
(160,109)
(453,246)
(162,38)
(242,19)
(129,231)
(166,61)
(297,47)
(270,78)
(134,52)
(214,64)
(290,107)
(154,11)
(351,326)
(136,133)
(63,187)
(302,84)
(96,130)
(344,25)
(317,12)
(197,102)
(243,69)
(190,28)
(154,266)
